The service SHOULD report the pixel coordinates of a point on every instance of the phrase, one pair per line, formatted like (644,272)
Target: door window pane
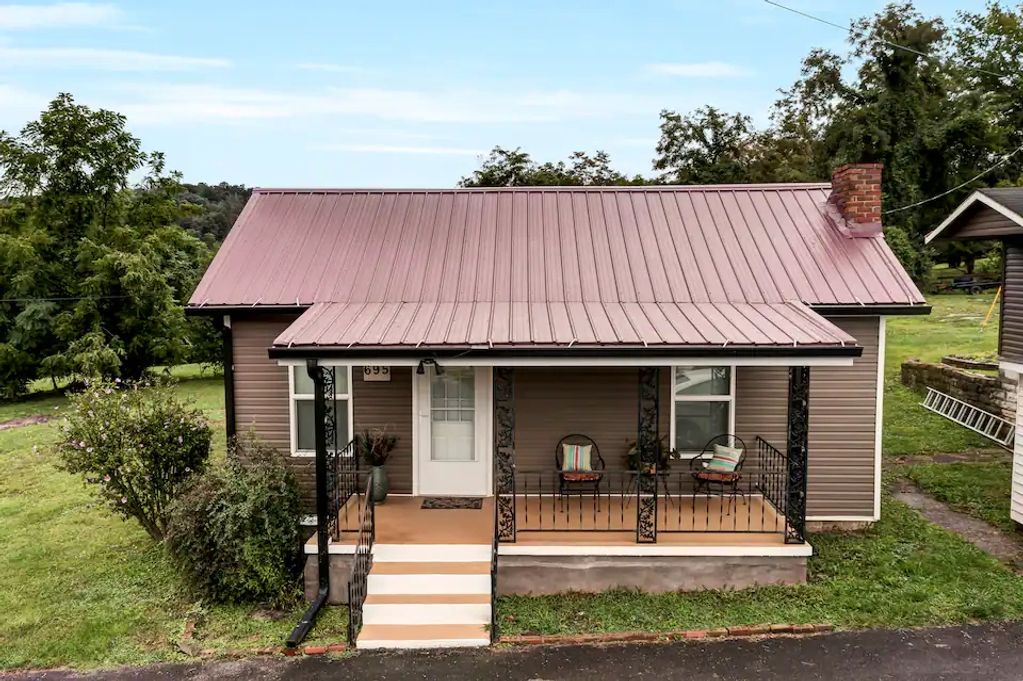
(453,415)
(691,381)
(697,422)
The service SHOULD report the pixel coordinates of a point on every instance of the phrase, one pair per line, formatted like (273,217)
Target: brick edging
(690,634)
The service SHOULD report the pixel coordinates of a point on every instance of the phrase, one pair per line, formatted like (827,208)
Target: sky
(405,94)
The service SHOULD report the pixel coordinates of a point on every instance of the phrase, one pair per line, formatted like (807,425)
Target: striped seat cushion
(575,458)
(725,459)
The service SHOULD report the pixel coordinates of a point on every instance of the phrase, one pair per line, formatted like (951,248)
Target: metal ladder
(979,421)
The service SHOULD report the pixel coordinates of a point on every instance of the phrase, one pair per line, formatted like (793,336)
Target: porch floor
(546,521)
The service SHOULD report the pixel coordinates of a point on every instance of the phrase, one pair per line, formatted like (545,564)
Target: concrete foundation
(340,568)
(538,575)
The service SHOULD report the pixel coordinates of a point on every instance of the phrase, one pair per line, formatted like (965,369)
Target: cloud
(329,68)
(394,149)
(707,69)
(102,59)
(60,15)
(176,103)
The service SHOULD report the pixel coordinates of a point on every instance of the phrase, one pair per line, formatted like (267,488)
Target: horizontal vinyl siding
(388,405)
(843,407)
(984,222)
(600,402)
(1011,330)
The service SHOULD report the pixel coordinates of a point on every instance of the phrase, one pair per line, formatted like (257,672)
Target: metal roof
(561,324)
(731,243)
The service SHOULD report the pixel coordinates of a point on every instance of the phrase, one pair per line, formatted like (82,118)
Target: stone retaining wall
(995,394)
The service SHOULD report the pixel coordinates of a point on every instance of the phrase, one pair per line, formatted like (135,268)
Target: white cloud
(329,68)
(59,15)
(172,103)
(707,69)
(395,149)
(102,59)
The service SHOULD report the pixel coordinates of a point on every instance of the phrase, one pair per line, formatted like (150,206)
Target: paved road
(990,652)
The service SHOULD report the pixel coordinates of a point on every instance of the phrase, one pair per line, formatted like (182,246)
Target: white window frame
(730,398)
(294,398)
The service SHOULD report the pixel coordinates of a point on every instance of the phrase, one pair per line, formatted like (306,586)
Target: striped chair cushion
(725,459)
(576,458)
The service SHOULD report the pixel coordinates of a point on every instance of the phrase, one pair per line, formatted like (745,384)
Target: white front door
(453,434)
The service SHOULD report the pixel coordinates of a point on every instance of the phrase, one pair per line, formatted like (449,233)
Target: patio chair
(716,481)
(579,480)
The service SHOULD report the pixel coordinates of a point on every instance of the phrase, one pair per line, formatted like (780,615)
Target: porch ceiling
(579,326)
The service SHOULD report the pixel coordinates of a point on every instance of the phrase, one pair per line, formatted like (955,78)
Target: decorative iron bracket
(504,452)
(648,446)
(797,453)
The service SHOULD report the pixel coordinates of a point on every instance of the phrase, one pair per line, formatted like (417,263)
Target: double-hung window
(303,419)
(702,407)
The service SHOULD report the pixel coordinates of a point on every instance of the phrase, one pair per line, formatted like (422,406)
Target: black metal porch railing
(343,487)
(756,505)
(362,561)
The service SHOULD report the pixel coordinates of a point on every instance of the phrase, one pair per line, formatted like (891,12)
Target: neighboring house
(998,214)
(482,326)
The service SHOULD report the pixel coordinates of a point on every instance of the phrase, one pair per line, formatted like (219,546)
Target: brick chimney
(856,194)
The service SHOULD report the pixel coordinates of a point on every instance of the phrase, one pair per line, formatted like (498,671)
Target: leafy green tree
(92,269)
(706,146)
(514,168)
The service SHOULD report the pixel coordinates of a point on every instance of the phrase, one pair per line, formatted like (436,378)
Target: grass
(82,588)
(903,572)
(977,489)
(953,327)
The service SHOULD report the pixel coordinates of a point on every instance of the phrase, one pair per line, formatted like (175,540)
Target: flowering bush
(138,445)
(235,533)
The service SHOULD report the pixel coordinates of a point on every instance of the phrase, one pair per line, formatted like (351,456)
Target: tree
(706,146)
(514,168)
(92,269)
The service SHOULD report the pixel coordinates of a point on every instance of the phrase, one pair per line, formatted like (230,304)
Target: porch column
(797,450)
(504,453)
(648,446)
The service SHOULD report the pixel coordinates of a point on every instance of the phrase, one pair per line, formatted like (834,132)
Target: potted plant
(374,448)
(664,455)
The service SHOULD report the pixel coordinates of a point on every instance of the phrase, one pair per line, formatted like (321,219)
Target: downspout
(228,358)
(301,630)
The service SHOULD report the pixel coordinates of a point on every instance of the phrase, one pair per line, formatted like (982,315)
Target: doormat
(472,503)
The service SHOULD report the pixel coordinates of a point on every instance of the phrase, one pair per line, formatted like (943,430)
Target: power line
(943,194)
(59,299)
(849,29)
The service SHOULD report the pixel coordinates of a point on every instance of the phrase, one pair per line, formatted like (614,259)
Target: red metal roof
(609,264)
(574,324)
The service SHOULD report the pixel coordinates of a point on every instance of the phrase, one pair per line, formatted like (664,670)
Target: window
(702,407)
(303,420)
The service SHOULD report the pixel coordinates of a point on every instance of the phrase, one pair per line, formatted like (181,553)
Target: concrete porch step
(423,636)
(429,578)
(427,609)
(433,553)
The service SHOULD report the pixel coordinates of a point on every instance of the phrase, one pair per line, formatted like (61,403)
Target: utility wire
(943,194)
(849,29)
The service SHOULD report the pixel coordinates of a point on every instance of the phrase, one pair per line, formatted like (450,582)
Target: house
(997,214)
(483,326)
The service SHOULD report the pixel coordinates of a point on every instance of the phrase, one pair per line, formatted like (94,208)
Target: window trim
(730,398)
(294,398)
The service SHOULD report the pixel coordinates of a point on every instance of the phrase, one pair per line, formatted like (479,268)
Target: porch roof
(520,326)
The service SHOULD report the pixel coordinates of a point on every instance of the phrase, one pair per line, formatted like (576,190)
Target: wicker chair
(715,482)
(581,481)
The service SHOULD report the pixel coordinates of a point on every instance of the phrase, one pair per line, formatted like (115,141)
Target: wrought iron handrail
(342,484)
(362,561)
(772,474)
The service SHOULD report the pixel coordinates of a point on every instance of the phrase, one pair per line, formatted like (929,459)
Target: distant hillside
(219,206)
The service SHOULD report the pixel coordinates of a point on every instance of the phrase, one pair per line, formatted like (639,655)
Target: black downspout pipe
(300,631)
(228,337)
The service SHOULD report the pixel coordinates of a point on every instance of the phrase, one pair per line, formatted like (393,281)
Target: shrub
(138,445)
(235,533)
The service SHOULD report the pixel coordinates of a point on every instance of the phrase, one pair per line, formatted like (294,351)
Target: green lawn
(953,327)
(977,489)
(82,588)
(903,572)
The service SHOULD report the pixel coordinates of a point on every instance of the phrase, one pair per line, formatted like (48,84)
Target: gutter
(540,354)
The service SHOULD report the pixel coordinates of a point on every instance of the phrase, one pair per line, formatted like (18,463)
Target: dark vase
(381,485)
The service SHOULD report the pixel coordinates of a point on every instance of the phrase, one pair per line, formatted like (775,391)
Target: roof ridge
(758,186)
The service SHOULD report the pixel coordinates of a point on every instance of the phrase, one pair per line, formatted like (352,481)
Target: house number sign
(376,373)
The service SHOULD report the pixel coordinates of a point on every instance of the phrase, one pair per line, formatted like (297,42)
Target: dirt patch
(24,421)
(969,456)
(1005,546)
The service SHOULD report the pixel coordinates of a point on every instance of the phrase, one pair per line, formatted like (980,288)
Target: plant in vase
(374,447)
(664,456)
